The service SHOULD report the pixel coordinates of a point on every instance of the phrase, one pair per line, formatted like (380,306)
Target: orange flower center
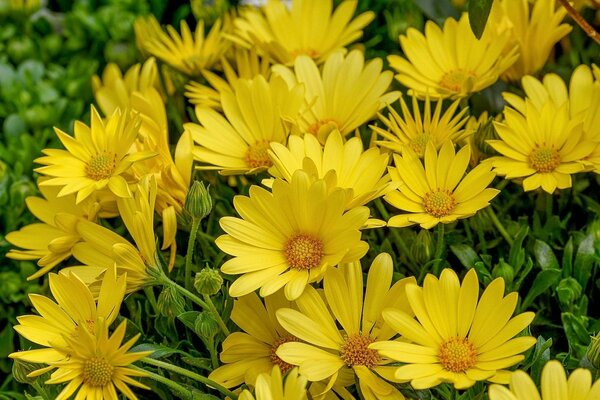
(101,166)
(97,372)
(457,80)
(312,53)
(315,127)
(303,251)
(283,366)
(257,155)
(355,351)
(544,159)
(439,203)
(457,354)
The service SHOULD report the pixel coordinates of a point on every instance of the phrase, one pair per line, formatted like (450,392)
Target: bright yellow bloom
(248,65)
(146,28)
(555,385)
(186,53)
(328,353)
(97,365)
(256,114)
(437,189)
(290,237)
(344,95)
(96,158)
(252,352)
(451,62)
(271,387)
(544,146)
(75,306)
(535,33)
(311,27)
(362,171)
(457,337)
(415,131)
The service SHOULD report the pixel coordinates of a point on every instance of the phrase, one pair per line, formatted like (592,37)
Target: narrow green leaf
(544,255)
(584,260)
(479,11)
(466,255)
(543,281)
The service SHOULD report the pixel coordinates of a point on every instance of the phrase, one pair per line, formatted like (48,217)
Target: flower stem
(439,243)
(499,226)
(190,252)
(213,309)
(177,388)
(587,28)
(191,375)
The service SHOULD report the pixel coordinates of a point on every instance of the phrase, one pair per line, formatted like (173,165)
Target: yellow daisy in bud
(255,115)
(343,96)
(437,189)
(272,387)
(451,62)
(97,157)
(97,365)
(101,247)
(362,171)
(554,384)
(248,65)
(252,352)
(416,132)
(534,32)
(328,351)
(544,147)
(290,236)
(74,306)
(310,27)
(457,337)
(185,52)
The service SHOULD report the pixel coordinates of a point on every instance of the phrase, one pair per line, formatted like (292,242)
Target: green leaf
(516,257)
(543,281)
(584,260)
(544,255)
(159,351)
(465,254)
(479,11)
(567,259)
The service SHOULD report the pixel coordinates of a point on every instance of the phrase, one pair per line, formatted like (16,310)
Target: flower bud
(568,292)
(206,325)
(593,351)
(505,271)
(170,303)
(422,248)
(208,281)
(485,131)
(198,202)
(21,369)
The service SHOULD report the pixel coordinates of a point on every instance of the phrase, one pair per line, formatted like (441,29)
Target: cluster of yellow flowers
(277,92)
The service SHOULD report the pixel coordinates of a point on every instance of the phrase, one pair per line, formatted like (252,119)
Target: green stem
(395,235)
(499,226)
(191,375)
(439,244)
(213,354)
(213,309)
(177,388)
(190,252)
(149,292)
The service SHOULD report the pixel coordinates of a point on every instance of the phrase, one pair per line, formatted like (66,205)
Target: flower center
(303,252)
(258,155)
(439,203)
(283,366)
(101,166)
(355,351)
(457,81)
(457,354)
(312,53)
(419,143)
(316,127)
(97,372)
(544,159)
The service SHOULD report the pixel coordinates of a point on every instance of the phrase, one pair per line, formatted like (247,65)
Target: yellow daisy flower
(97,157)
(272,387)
(544,146)
(256,114)
(146,28)
(74,306)
(310,27)
(248,65)
(415,131)
(451,62)
(290,236)
(458,337)
(437,189)
(186,53)
(362,171)
(249,353)
(344,95)
(534,32)
(327,351)
(97,365)
(555,385)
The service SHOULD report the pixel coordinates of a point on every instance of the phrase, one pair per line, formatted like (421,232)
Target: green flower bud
(21,369)
(170,303)
(568,291)
(505,271)
(485,132)
(21,48)
(209,10)
(208,281)
(206,325)
(198,202)
(422,248)
(593,351)
(401,15)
